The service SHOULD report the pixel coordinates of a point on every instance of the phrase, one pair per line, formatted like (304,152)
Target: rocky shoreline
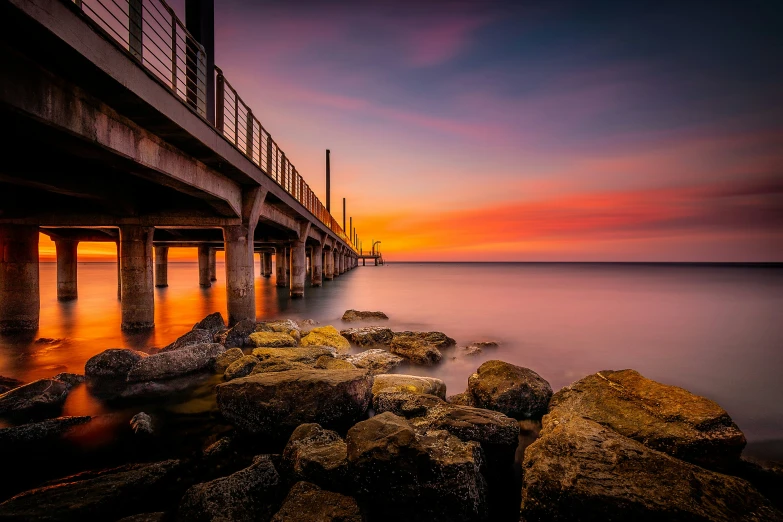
(322,434)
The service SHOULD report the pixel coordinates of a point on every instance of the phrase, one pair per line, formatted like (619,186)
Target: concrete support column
(161,266)
(266,260)
(20,299)
(336,266)
(298,268)
(203,267)
(66,268)
(281,266)
(315,259)
(212,265)
(119,274)
(329,265)
(138,295)
(240,284)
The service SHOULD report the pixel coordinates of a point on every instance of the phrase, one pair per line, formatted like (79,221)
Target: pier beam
(161,266)
(203,267)
(266,260)
(329,264)
(316,257)
(66,269)
(240,284)
(20,299)
(281,264)
(298,268)
(138,296)
(212,265)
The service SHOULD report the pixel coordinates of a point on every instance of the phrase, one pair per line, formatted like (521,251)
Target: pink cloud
(438,42)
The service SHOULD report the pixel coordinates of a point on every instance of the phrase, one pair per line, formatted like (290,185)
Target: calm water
(715,330)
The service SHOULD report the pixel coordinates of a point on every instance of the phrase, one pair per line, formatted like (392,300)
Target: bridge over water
(119,127)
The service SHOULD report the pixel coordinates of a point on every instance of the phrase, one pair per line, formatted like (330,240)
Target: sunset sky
(486,131)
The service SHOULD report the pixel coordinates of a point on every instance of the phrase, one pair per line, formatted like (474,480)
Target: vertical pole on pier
(135,28)
(249,134)
(212,265)
(203,267)
(328,182)
(138,292)
(350,232)
(316,265)
(161,266)
(66,269)
(344,215)
(200,22)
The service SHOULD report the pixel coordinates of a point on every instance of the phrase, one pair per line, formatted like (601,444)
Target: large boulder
(393,382)
(307,502)
(35,432)
(437,339)
(274,404)
(224,360)
(248,495)
(238,335)
(368,335)
(37,395)
(106,495)
(415,349)
(196,336)
(279,365)
(71,379)
(664,418)
(272,339)
(580,470)
(316,455)
(280,325)
(327,362)
(326,336)
(376,361)
(9,383)
(111,365)
(513,390)
(305,355)
(176,363)
(363,315)
(241,367)
(214,323)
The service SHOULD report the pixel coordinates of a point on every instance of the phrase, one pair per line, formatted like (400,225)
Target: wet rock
(35,432)
(247,495)
(238,335)
(8,383)
(224,360)
(405,404)
(368,335)
(141,424)
(71,379)
(151,389)
(513,390)
(462,399)
(479,347)
(415,350)
(241,367)
(357,315)
(437,339)
(107,495)
(408,383)
(278,365)
(307,502)
(219,447)
(316,455)
(664,418)
(280,326)
(306,355)
(189,339)
(213,323)
(275,404)
(327,362)
(376,361)
(326,336)
(175,363)
(37,395)
(272,339)
(111,365)
(580,470)
(159,516)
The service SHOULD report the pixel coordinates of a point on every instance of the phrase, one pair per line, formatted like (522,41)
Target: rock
(175,363)
(248,495)
(141,424)
(281,326)
(37,395)
(155,389)
(316,455)
(238,335)
(189,339)
(307,502)
(327,362)
(107,495)
(326,336)
(513,390)
(408,383)
(403,403)
(437,339)
(111,365)
(47,340)
(580,470)
(278,365)
(415,349)
(224,360)
(462,399)
(356,315)
(8,383)
(241,367)
(219,447)
(213,323)
(376,361)
(477,348)
(36,432)
(272,339)
(306,355)
(71,379)
(275,404)
(664,418)
(368,335)
(160,516)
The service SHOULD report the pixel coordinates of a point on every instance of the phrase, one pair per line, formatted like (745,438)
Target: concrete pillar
(316,271)
(66,268)
(240,284)
(138,295)
(336,266)
(161,266)
(119,274)
(266,259)
(298,268)
(281,264)
(329,265)
(212,265)
(20,299)
(203,267)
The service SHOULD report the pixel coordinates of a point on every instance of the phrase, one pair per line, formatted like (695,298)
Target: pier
(121,128)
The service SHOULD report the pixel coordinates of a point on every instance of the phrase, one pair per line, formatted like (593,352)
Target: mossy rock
(272,339)
(326,336)
(326,362)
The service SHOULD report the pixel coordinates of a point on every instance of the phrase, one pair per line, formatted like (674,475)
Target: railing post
(269,155)
(236,118)
(249,146)
(135,27)
(220,106)
(173,51)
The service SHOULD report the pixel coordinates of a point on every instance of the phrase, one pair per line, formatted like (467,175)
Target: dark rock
(307,502)
(316,455)
(241,367)
(166,365)
(408,383)
(8,383)
(224,360)
(71,379)
(664,418)
(189,339)
(356,315)
(238,335)
(513,390)
(766,477)
(213,323)
(376,361)
(141,424)
(580,470)
(415,349)
(437,339)
(150,389)
(327,362)
(275,404)
(47,340)
(247,495)
(37,395)
(368,335)
(478,347)
(462,399)
(111,365)
(405,404)
(160,516)
(11,438)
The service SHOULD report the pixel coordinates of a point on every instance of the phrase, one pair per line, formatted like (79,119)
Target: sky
(527,131)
